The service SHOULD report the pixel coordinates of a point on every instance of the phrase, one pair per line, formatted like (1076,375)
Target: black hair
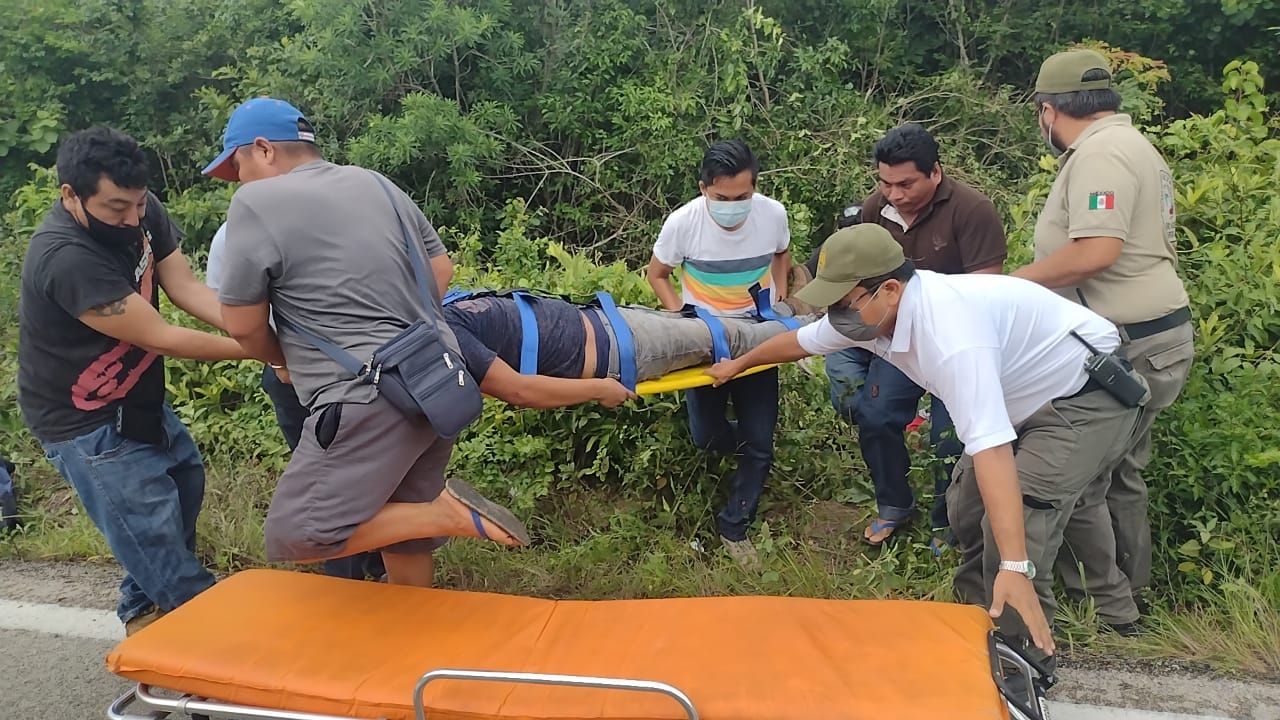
(727,158)
(299,148)
(902,273)
(1083,103)
(908,142)
(86,155)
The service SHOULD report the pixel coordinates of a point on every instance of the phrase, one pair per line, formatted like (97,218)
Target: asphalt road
(57,624)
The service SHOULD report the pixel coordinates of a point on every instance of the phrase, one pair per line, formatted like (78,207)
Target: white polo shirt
(995,349)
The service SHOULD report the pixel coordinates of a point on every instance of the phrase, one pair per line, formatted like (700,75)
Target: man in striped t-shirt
(725,241)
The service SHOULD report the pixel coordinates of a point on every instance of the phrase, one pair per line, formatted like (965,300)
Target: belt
(1090,385)
(602,344)
(1147,328)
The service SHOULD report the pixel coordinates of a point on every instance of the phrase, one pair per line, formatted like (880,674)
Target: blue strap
(528,333)
(764,307)
(626,345)
(454,295)
(476,520)
(719,339)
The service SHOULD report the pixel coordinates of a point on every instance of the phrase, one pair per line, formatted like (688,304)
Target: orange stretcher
(283,645)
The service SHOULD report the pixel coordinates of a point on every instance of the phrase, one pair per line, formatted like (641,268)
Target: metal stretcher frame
(1030,707)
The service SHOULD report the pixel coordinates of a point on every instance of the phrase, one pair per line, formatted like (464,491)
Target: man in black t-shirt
(91,381)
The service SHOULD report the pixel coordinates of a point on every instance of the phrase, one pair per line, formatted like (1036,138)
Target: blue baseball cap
(262,117)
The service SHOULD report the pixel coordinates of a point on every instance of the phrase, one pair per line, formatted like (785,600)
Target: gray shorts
(353,459)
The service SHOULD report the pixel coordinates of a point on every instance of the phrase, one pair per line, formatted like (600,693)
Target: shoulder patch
(1102,200)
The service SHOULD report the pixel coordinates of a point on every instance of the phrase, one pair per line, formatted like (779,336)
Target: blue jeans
(846,370)
(144,499)
(290,412)
(882,408)
(750,437)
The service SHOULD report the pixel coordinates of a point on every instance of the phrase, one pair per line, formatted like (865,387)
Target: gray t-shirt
(323,245)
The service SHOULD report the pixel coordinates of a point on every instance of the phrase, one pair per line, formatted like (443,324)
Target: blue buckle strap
(719,338)
(455,295)
(528,333)
(626,345)
(764,307)
(528,321)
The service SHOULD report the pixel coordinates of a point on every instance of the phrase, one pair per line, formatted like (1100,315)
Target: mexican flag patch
(1102,200)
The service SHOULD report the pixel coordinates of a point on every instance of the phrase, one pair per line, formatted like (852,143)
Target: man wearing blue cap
(321,247)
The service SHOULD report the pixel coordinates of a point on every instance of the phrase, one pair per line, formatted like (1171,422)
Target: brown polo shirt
(959,232)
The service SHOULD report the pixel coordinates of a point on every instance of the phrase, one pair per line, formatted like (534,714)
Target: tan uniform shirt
(1113,183)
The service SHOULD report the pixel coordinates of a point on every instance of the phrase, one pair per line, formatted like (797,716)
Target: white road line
(60,620)
(83,623)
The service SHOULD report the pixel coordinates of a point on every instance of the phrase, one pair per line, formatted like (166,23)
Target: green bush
(548,141)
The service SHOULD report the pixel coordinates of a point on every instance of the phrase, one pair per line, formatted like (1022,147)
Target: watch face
(1031,570)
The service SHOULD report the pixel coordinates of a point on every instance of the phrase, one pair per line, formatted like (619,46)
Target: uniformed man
(1106,240)
(1007,357)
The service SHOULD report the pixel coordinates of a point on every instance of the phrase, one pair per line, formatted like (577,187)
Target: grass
(596,545)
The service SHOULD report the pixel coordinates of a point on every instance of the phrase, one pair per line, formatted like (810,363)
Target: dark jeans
(750,437)
(290,415)
(8,497)
(144,499)
(882,408)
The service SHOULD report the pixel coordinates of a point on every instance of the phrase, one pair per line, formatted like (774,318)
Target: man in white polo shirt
(1000,353)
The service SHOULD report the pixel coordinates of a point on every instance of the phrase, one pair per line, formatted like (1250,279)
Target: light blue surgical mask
(729,213)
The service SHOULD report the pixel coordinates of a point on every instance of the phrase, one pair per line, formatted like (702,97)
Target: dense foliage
(547,140)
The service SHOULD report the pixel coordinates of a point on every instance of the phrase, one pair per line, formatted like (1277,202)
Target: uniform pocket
(1182,352)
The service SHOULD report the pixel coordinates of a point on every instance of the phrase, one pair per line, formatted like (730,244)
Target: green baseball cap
(848,257)
(1062,72)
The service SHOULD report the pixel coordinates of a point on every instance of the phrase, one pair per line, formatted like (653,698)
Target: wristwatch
(1025,567)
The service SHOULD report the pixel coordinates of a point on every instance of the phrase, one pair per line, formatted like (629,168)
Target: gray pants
(1164,361)
(351,461)
(1061,452)
(668,341)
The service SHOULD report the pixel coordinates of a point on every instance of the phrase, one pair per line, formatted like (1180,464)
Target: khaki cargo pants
(1164,361)
(1062,453)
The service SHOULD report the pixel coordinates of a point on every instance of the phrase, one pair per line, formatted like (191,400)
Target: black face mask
(113,235)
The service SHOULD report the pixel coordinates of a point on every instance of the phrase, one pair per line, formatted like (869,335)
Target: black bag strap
(341,356)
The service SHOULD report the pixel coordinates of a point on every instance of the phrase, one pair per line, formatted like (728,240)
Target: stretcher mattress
(687,378)
(311,643)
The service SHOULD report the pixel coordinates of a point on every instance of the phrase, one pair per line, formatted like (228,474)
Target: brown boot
(137,622)
(800,277)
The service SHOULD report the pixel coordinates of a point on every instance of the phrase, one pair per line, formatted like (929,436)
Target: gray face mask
(848,322)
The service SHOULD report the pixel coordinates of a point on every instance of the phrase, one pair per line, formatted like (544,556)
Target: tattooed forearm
(109,309)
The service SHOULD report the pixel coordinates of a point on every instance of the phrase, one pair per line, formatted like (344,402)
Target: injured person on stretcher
(576,354)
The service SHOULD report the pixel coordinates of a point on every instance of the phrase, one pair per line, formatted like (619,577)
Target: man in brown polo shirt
(945,226)
(1106,239)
